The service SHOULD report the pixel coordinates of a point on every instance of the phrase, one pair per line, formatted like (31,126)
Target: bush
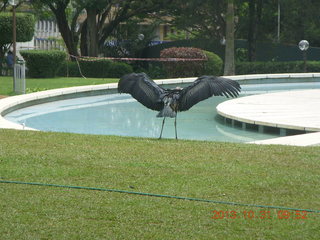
(101,68)
(118,69)
(183,68)
(275,67)
(24,26)
(95,69)
(153,69)
(214,64)
(43,64)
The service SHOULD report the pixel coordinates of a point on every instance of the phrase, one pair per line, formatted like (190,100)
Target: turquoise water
(120,114)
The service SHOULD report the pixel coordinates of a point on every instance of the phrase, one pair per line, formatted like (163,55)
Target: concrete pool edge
(12,103)
(290,110)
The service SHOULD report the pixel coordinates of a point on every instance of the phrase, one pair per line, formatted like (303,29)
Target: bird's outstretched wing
(143,89)
(205,87)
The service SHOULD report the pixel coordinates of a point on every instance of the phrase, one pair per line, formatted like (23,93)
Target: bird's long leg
(175,125)
(162,127)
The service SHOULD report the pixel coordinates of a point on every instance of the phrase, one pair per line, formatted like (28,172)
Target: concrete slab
(310,139)
(299,110)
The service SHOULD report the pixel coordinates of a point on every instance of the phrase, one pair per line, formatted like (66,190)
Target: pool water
(120,114)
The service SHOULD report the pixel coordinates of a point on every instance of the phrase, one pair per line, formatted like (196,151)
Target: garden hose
(159,195)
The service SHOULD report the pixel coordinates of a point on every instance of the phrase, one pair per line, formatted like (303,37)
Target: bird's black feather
(205,87)
(143,89)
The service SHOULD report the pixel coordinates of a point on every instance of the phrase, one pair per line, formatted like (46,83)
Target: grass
(38,84)
(245,173)
(263,175)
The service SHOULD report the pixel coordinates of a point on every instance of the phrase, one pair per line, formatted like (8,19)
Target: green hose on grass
(159,195)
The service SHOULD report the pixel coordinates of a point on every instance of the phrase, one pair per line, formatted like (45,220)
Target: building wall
(46,37)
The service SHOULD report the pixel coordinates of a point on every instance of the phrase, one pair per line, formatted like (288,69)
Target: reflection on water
(117,114)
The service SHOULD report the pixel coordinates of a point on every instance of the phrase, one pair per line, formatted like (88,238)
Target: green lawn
(38,84)
(244,173)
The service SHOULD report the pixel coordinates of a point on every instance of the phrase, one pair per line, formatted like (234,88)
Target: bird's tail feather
(167,112)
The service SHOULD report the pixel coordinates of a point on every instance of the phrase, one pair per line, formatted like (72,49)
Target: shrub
(183,68)
(25,27)
(43,64)
(118,69)
(153,69)
(276,67)
(214,64)
(95,69)
(101,68)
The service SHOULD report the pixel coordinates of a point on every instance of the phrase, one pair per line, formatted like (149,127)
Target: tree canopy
(88,24)
(91,22)
(24,29)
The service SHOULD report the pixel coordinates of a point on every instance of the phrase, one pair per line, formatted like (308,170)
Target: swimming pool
(120,114)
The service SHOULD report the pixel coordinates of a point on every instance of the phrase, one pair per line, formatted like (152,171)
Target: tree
(66,26)
(300,20)
(229,66)
(255,12)
(101,19)
(202,18)
(24,28)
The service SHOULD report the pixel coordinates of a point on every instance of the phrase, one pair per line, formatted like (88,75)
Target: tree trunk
(229,66)
(83,40)
(252,31)
(92,33)
(255,11)
(66,33)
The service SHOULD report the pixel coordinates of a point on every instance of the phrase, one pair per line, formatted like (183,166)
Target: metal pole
(14,45)
(304,61)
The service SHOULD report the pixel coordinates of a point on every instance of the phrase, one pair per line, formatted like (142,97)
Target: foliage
(101,68)
(204,18)
(118,69)
(24,27)
(36,89)
(275,67)
(43,64)
(241,55)
(183,68)
(214,64)
(300,20)
(101,20)
(130,39)
(176,34)
(154,70)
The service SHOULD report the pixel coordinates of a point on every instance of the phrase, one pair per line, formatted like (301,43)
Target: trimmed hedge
(181,68)
(101,68)
(214,64)
(24,26)
(276,67)
(211,66)
(43,64)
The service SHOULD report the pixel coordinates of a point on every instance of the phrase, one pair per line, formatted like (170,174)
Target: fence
(47,44)
(46,29)
(46,37)
(19,77)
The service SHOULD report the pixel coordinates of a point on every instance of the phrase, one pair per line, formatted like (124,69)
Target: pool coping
(9,103)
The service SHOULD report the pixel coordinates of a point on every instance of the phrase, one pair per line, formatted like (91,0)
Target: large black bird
(170,101)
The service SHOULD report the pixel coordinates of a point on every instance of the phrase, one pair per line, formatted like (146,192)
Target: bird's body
(170,101)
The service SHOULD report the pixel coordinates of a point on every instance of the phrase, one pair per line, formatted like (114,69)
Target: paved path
(290,110)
